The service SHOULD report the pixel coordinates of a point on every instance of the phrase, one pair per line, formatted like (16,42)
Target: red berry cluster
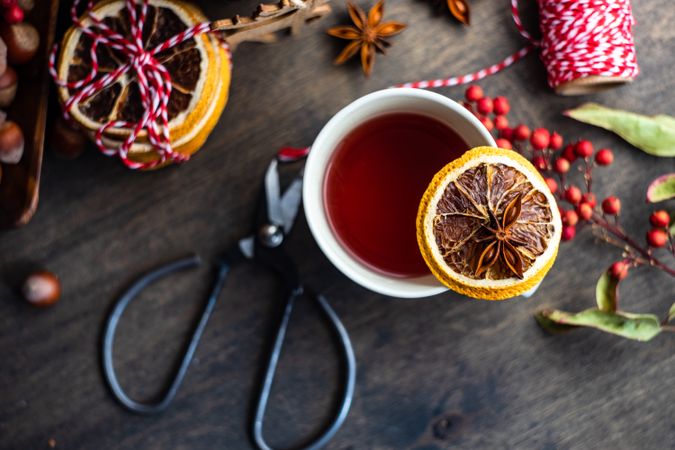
(483,107)
(11,11)
(549,154)
(582,200)
(658,236)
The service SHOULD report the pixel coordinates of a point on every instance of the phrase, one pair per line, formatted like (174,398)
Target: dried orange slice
(488,226)
(199,70)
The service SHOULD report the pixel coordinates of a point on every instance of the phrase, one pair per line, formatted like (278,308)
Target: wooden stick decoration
(269,18)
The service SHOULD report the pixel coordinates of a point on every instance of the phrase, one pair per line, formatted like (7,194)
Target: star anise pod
(368,35)
(500,243)
(458,8)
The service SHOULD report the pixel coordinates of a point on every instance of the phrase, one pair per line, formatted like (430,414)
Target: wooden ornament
(270,18)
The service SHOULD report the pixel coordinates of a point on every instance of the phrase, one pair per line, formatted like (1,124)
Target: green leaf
(662,188)
(607,292)
(640,327)
(671,313)
(668,121)
(654,135)
(552,327)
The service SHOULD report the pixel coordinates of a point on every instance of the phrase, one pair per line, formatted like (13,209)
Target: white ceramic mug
(372,105)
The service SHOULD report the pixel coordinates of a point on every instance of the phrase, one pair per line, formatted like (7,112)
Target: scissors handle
(349,381)
(116,314)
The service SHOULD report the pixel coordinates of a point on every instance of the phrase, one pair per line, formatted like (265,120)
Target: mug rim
(314,207)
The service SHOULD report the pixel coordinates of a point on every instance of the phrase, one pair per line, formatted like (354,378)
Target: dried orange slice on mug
(488,226)
(199,70)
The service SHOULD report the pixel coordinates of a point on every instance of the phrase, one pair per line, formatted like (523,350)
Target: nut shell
(11,143)
(8,83)
(22,40)
(3,56)
(26,5)
(41,289)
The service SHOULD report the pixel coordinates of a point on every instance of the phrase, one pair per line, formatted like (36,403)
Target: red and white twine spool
(583,41)
(152,77)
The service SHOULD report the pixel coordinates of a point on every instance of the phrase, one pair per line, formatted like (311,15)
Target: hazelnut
(26,5)
(8,82)
(11,143)
(22,40)
(3,56)
(67,141)
(41,289)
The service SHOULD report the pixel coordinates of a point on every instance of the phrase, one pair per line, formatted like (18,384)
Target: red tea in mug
(375,181)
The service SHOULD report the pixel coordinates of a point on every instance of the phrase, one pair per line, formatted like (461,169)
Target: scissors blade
(290,203)
(247,246)
(272,195)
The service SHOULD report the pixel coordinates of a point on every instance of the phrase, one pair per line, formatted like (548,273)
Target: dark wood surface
(445,372)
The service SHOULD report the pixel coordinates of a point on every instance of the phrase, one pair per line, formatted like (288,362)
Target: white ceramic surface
(372,105)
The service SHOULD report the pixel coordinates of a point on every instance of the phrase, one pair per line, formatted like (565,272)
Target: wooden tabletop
(444,372)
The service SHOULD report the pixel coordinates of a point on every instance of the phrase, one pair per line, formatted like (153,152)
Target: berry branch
(555,160)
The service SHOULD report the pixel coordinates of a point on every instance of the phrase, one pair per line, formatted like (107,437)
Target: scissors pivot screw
(271,235)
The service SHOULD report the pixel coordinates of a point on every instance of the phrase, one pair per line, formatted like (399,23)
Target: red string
(290,154)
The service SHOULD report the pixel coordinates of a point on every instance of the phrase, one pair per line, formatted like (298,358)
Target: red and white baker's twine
(153,79)
(579,38)
(290,154)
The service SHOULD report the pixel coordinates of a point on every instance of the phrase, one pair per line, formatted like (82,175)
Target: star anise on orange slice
(488,225)
(368,34)
(500,243)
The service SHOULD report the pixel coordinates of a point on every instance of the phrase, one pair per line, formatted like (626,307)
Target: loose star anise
(501,244)
(367,35)
(459,10)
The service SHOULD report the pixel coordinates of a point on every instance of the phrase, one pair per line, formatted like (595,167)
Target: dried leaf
(459,10)
(654,135)
(639,327)
(662,188)
(607,293)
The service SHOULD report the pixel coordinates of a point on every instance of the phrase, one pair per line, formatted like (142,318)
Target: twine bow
(153,79)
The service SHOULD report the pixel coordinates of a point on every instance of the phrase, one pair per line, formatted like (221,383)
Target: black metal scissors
(273,221)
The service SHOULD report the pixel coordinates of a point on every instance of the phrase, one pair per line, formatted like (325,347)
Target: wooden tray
(20,182)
